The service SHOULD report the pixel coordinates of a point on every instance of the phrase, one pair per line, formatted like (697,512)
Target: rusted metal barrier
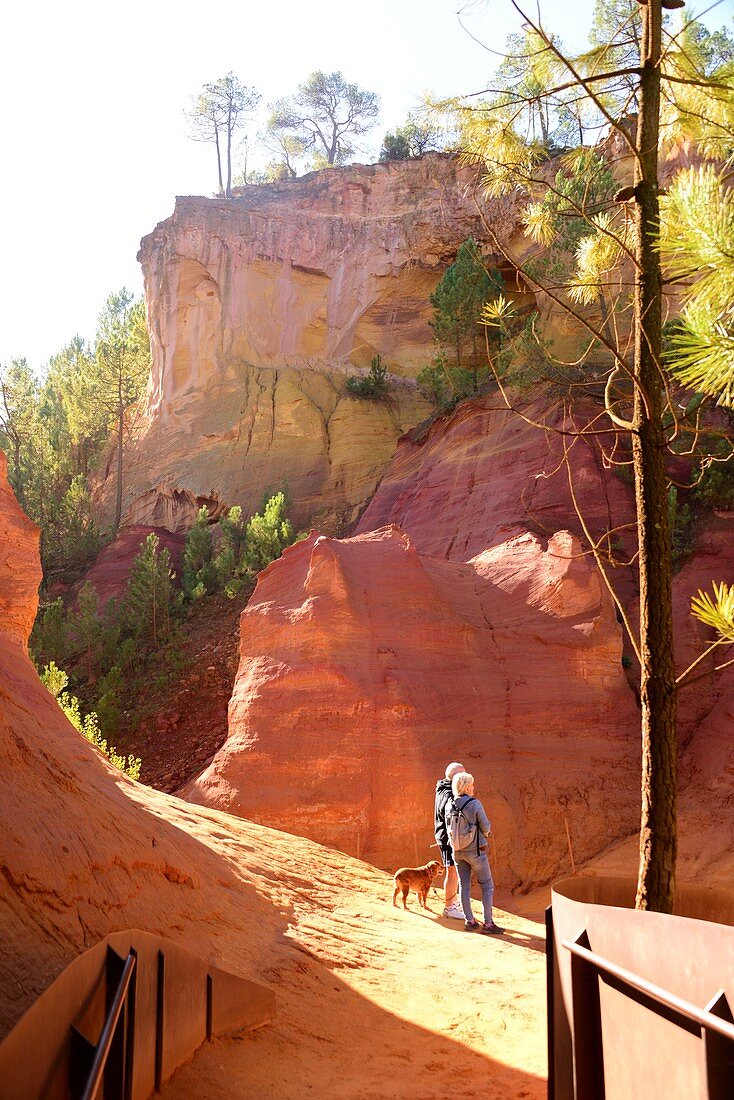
(121,1018)
(639,1004)
(115,1049)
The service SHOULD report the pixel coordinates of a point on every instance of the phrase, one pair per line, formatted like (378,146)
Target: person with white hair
(468,827)
(451,881)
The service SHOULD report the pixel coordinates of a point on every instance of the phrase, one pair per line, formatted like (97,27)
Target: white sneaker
(454,911)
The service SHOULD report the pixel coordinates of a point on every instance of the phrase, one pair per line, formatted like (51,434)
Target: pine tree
(229,561)
(199,575)
(149,597)
(86,628)
(457,305)
(119,372)
(663,78)
(268,532)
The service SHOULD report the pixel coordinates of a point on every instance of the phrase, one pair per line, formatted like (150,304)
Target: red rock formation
(84,851)
(111,571)
(476,629)
(172,508)
(367,664)
(483,474)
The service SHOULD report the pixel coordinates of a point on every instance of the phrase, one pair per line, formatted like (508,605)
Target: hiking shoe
(454,911)
(492,929)
(470,925)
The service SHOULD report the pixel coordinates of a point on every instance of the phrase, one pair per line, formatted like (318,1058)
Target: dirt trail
(374,1001)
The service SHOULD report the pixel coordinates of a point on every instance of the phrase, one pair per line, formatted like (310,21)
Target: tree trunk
(228,192)
(219,160)
(118,492)
(658,842)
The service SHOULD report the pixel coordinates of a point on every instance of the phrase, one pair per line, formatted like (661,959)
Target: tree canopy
(324,115)
(218,112)
(416,136)
(621,246)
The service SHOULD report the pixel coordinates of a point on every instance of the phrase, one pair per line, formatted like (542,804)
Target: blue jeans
(466,863)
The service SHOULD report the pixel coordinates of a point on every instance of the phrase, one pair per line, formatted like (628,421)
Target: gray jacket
(474,814)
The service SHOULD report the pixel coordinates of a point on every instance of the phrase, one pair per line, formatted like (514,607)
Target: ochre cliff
(262,305)
(475,630)
(463,621)
(85,851)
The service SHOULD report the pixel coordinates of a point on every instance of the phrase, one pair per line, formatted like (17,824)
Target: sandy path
(376,1002)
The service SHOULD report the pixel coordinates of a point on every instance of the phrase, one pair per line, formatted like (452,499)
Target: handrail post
(719,1052)
(588,1049)
(116,999)
(160,1008)
(550,999)
(130,1030)
(113,1078)
(209,1007)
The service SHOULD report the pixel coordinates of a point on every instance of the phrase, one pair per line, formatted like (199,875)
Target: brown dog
(418,879)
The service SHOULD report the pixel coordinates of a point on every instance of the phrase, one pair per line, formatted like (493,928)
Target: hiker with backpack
(468,827)
(451,881)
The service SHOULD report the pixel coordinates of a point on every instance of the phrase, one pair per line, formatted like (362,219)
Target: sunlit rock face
(330,269)
(79,858)
(476,630)
(465,621)
(20,569)
(83,850)
(261,306)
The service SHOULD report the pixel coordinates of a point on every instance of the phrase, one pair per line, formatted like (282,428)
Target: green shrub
(232,587)
(199,573)
(49,637)
(230,558)
(268,533)
(55,680)
(149,599)
(374,386)
(716,487)
(108,706)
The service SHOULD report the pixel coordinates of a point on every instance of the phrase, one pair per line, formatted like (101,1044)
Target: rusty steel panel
(168,1018)
(630,992)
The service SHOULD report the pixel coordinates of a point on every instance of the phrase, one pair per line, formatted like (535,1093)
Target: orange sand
(375,1002)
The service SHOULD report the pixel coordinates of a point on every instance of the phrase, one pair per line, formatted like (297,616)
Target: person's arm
(482,820)
(439,828)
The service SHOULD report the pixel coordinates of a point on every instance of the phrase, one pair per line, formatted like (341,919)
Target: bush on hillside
(374,386)
(56,680)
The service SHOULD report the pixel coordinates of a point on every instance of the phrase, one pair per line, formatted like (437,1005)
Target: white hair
(452,769)
(461,783)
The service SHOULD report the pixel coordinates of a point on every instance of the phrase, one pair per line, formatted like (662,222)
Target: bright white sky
(95,139)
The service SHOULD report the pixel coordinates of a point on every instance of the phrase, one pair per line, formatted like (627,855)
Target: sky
(95,136)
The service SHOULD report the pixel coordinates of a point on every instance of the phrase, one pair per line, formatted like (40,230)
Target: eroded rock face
(477,630)
(83,850)
(366,666)
(79,856)
(334,268)
(20,568)
(172,508)
(484,474)
(464,621)
(262,305)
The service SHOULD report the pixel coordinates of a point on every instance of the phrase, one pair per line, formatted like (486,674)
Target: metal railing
(584,1044)
(116,1044)
(121,1018)
(712,1024)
